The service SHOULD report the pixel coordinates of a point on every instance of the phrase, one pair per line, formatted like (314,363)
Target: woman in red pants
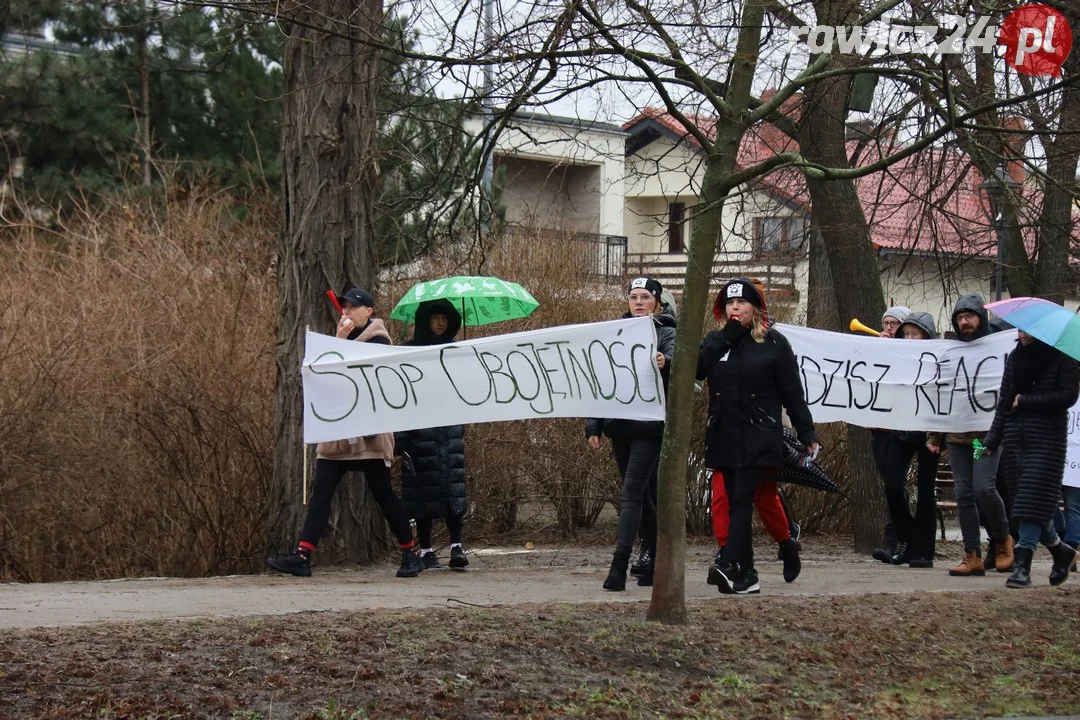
(770,509)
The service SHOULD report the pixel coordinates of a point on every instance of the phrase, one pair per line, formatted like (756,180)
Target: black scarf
(1029,363)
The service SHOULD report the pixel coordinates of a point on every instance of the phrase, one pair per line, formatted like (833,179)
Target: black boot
(644,560)
(1021,574)
(616,577)
(990,558)
(789,553)
(1064,556)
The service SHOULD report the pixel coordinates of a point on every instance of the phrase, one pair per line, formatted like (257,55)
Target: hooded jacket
(969,303)
(664,322)
(1035,432)
(433,459)
(922,320)
(750,384)
(370,447)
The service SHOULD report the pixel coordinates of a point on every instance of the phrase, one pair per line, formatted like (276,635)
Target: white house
(927,216)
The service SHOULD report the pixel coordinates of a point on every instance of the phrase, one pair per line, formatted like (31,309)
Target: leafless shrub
(137,391)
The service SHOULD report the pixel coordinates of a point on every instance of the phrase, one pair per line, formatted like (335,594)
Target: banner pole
(307,328)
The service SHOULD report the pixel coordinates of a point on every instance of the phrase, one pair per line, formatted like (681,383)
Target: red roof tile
(927,202)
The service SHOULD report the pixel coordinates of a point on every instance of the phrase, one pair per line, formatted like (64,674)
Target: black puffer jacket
(749,382)
(1035,433)
(433,459)
(665,343)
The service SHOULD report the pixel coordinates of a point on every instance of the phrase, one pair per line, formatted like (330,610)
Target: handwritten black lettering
(992,393)
(355,387)
(381,372)
(803,362)
(444,352)
(877,388)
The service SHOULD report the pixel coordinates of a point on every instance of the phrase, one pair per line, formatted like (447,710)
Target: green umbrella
(482,300)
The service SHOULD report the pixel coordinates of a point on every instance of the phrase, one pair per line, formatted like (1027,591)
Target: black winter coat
(617,427)
(1035,434)
(749,382)
(433,459)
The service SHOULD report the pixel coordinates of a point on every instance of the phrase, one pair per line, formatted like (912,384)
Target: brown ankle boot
(971,565)
(1004,559)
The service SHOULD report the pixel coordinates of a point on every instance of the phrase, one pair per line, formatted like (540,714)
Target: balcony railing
(603,256)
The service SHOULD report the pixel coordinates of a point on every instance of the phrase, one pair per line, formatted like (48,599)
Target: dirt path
(497,576)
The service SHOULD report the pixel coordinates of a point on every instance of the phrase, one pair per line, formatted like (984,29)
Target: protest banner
(1072,461)
(932,385)
(608,369)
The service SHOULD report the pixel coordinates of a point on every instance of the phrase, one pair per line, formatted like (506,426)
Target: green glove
(978,447)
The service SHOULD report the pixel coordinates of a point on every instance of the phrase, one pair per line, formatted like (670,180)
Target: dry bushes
(137,392)
(136,402)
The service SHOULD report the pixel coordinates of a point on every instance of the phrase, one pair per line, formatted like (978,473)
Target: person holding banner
(636,444)
(370,455)
(879,440)
(433,470)
(752,375)
(976,478)
(915,536)
(1039,386)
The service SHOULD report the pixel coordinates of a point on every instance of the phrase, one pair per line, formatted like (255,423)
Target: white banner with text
(608,369)
(932,385)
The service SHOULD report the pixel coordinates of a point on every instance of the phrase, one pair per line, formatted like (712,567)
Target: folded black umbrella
(799,470)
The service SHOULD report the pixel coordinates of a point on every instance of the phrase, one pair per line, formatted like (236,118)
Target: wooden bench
(944,486)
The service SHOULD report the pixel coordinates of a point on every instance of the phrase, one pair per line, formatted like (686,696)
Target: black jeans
(879,448)
(328,474)
(638,460)
(740,485)
(454,525)
(918,531)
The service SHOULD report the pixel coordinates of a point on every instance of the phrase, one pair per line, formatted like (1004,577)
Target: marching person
(1038,387)
(975,480)
(636,443)
(433,459)
(879,440)
(752,375)
(767,500)
(915,536)
(370,455)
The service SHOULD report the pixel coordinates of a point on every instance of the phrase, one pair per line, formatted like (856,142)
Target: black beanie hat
(653,286)
(742,288)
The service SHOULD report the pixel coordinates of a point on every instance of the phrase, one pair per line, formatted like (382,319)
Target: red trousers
(767,502)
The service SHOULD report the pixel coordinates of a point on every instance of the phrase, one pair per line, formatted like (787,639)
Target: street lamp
(996,187)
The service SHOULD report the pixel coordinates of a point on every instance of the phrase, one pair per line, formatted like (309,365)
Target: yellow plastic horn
(856,326)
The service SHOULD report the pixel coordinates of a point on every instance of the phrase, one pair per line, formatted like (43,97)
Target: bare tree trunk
(327,243)
(1053,277)
(821,300)
(838,216)
(145,136)
(668,602)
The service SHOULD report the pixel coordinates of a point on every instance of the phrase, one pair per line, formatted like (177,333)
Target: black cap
(357,297)
(647,283)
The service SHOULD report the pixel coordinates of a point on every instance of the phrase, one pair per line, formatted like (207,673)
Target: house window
(778,235)
(675,227)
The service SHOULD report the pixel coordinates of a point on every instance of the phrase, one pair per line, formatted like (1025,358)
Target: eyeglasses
(891,323)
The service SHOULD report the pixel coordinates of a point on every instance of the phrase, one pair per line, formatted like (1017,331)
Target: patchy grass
(877,656)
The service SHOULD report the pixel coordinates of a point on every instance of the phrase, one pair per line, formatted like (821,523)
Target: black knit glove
(733,330)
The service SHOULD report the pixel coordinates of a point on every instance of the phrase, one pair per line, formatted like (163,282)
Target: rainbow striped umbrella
(1055,325)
